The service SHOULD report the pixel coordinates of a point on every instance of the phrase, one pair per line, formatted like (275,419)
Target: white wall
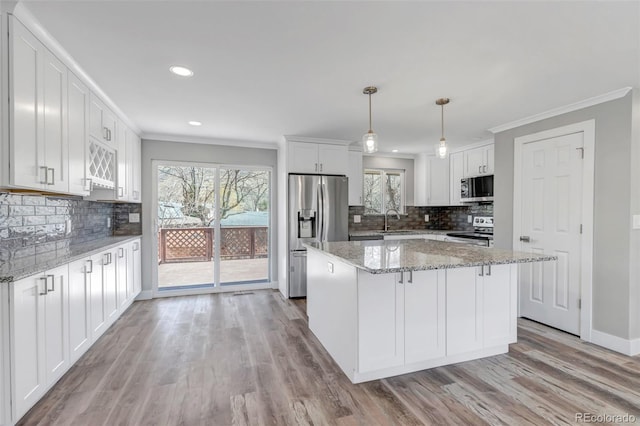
(202,153)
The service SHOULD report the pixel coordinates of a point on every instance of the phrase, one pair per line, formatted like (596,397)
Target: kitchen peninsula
(384,308)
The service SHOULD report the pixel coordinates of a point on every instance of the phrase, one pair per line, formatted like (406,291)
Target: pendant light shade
(442,148)
(370,139)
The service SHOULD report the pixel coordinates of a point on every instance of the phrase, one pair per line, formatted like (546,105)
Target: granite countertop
(403,231)
(381,257)
(36,264)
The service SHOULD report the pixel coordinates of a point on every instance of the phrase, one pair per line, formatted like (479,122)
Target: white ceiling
(270,68)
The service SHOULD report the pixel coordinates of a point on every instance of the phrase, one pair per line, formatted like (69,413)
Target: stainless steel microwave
(479,188)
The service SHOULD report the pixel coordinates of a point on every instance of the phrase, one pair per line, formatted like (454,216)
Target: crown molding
(616,94)
(293,138)
(209,141)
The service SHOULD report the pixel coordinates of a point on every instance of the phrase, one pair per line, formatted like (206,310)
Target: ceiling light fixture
(181,71)
(370,139)
(394,150)
(195,123)
(442,148)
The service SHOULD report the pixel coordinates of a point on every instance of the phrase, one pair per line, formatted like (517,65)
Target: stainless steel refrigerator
(318,211)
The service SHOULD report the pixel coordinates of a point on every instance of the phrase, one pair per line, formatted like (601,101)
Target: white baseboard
(615,343)
(145,295)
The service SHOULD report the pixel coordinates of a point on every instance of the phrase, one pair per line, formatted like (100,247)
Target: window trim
(384,172)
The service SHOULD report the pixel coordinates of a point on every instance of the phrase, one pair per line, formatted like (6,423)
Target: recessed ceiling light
(195,123)
(394,150)
(181,71)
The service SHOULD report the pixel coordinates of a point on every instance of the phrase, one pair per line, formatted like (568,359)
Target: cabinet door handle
(53,283)
(105,259)
(88,270)
(320,166)
(488,270)
(316,166)
(410,280)
(45,286)
(46,175)
(53,176)
(401,280)
(110,258)
(484,169)
(481,273)
(120,252)
(120,191)
(105,133)
(479,169)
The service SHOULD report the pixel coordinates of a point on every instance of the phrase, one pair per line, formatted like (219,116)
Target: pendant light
(442,148)
(370,139)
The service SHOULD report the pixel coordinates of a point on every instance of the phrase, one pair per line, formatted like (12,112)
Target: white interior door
(551,218)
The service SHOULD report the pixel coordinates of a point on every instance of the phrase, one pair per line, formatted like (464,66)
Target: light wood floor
(250,359)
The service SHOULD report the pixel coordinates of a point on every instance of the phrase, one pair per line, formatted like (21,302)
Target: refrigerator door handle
(320,216)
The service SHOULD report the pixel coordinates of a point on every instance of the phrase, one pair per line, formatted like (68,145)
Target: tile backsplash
(46,226)
(444,218)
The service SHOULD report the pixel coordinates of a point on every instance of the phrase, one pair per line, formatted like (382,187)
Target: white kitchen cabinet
(39,352)
(437,185)
(78,96)
(102,122)
(123,168)
(110,285)
(456,173)
(309,157)
(380,322)
(401,319)
(79,304)
(136,167)
(96,297)
(135,268)
(500,304)
(38,85)
(122,273)
(479,161)
(355,175)
(424,315)
(464,310)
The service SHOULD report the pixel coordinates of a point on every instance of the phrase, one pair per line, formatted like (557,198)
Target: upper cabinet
(37,135)
(355,175)
(456,173)
(479,161)
(318,158)
(102,123)
(62,137)
(78,96)
(437,181)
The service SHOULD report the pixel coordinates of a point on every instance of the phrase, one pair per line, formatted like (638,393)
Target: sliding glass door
(212,224)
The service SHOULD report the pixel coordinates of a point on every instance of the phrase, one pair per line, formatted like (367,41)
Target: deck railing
(196,244)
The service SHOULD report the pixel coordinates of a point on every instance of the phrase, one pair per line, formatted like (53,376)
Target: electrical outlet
(68,226)
(469,218)
(330,267)
(108,222)
(426,218)
(134,217)
(356,218)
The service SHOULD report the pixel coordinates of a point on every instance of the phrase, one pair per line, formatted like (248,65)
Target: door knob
(525,238)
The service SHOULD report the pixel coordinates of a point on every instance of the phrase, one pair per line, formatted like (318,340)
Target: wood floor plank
(250,359)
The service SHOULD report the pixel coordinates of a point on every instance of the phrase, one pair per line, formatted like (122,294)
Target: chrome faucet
(386,214)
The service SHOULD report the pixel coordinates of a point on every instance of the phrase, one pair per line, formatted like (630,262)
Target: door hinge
(581,152)
(579,303)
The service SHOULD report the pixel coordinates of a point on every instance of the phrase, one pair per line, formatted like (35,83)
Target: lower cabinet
(401,319)
(39,336)
(79,307)
(413,317)
(55,317)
